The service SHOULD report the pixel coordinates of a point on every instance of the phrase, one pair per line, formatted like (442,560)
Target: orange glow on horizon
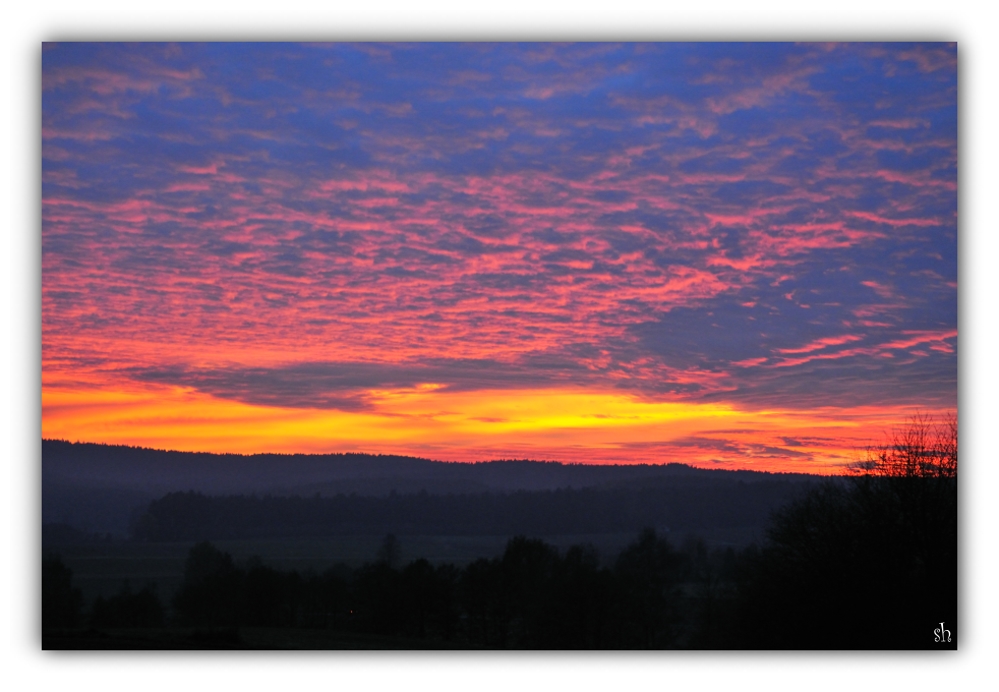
(726,260)
(572,426)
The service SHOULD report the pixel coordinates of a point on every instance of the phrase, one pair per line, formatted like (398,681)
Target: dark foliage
(648,572)
(128,609)
(212,589)
(529,598)
(61,602)
(700,505)
(867,561)
(864,562)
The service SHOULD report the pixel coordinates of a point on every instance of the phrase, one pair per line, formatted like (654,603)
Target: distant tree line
(531,597)
(703,505)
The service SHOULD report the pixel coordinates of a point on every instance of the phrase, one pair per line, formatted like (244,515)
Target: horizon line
(433,461)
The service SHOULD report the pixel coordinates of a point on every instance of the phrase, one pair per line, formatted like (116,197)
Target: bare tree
(922,448)
(879,549)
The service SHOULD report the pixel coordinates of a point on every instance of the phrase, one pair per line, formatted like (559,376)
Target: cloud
(348,386)
(299,225)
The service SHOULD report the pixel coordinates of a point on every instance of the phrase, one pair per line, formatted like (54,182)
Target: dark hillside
(101,487)
(686,507)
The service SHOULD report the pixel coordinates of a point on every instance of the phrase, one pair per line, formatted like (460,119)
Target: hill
(102,488)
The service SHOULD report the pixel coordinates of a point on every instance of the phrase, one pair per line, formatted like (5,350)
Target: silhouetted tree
(211,591)
(269,597)
(648,572)
(61,602)
(378,599)
(128,609)
(323,600)
(527,568)
(446,611)
(427,595)
(581,601)
(483,600)
(390,552)
(711,600)
(920,449)
(869,561)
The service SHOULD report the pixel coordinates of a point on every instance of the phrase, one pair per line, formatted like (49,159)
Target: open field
(99,569)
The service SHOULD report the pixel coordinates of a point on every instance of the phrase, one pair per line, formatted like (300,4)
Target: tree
(61,602)
(920,449)
(869,561)
(581,601)
(128,609)
(914,475)
(648,572)
(212,588)
(390,551)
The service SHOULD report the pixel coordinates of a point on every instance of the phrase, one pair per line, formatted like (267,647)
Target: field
(99,569)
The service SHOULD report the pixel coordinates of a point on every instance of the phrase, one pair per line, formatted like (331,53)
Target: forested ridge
(194,516)
(95,487)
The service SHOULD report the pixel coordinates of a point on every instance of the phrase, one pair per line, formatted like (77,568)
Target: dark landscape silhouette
(99,488)
(865,561)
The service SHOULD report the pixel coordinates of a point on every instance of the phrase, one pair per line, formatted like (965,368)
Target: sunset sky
(729,255)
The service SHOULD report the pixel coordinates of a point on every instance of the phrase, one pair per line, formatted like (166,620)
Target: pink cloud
(210,169)
(823,343)
(876,218)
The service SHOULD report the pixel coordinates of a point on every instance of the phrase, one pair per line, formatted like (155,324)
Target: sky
(728,255)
